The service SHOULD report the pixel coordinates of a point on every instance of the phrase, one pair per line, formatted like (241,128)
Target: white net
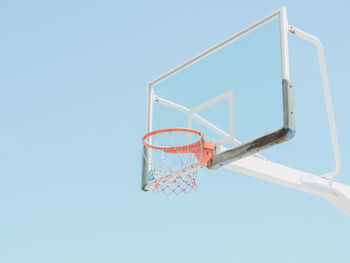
(173,172)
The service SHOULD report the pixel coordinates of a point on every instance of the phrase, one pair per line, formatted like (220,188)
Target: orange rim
(176,149)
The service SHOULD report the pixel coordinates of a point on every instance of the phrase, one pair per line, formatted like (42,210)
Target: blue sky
(72,111)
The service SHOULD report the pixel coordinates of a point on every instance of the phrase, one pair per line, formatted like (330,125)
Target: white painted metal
(336,193)
(149,108)
(327,95)
(284,46)
(150,96)
(284,43)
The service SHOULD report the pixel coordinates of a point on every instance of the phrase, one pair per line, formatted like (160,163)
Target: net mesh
(173,172)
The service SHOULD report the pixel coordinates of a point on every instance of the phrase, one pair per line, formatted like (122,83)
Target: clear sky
(72,114)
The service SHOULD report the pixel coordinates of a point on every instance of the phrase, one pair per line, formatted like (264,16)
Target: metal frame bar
(284,45)
(327,95)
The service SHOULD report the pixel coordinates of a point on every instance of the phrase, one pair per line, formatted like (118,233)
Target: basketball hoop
(173,163)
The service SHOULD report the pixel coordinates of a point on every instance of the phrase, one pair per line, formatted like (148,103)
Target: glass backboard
(237,93)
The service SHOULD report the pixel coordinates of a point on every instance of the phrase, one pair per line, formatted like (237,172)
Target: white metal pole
(336,193)
(327,95)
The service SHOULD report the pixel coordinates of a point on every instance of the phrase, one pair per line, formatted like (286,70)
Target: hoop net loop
(174,156)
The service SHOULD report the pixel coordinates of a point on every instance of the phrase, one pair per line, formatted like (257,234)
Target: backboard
(237,93)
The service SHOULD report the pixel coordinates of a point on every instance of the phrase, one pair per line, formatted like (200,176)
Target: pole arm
(327,95)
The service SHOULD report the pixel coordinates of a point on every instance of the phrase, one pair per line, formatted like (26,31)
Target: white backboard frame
(257,144)
(336,193)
